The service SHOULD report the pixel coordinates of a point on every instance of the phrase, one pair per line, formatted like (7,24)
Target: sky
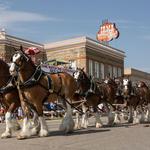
(46,21)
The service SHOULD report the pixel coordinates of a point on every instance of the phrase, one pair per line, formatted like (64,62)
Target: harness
(32,80)
(9,87)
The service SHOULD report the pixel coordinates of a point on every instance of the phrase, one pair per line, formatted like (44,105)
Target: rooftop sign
(107,32)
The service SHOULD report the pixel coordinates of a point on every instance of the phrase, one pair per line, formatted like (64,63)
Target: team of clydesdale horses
(26,85)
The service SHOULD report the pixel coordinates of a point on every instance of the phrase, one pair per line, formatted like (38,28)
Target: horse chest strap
(50,85)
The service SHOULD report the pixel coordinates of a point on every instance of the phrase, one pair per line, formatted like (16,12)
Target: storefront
(9,43)
(137,75)
(98,60)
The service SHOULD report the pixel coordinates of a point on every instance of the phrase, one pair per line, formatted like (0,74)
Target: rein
(79,110)
(9,86)
(32,80)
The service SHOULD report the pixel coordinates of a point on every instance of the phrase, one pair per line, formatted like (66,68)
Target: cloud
(20,16)
(4,5)
(8,16)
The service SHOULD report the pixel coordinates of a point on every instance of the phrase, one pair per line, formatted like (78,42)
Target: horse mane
(4,65)
(4,74)
(85,81)
(144,84)
(27,57)
(32,63)
(85,75)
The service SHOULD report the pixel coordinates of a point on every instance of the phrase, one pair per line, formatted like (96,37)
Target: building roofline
(83,40)
(23,40)
(108,46)
(133,70)
(6,37)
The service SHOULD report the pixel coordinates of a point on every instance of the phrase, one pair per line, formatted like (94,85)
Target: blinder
(22,58)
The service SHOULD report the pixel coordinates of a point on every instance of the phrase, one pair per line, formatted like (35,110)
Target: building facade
(97,59)
(137,75)
(9,43)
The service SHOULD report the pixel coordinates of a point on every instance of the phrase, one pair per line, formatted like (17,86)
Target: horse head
(79,74)
(83,81)
(18,62)
(126,87)
(141,84)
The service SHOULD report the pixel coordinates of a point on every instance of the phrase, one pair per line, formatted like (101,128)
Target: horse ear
(21,48)
(82,68)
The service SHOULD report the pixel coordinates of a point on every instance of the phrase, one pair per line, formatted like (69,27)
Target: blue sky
(52,20)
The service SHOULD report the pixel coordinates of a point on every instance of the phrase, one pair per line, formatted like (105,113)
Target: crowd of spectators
(49,109)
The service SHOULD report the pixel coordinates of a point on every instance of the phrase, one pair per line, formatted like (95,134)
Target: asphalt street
(120,137)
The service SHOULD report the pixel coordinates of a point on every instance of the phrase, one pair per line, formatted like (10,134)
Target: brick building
(99,60)
(137,75)
(8,43)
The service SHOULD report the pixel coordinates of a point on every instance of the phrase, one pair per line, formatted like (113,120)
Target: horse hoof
(5,136)
(117,121)
(21,137)
(98,125)
(77,127)
(43,133)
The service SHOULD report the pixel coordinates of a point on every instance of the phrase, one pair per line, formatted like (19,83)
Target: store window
(102,71)
(115,72)
(119,72)
(96,64)
(110,71)
(90,67)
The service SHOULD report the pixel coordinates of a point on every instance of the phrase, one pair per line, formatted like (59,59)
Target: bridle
(18,65)
(127,89)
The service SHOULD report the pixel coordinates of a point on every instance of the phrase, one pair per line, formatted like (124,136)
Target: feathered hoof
(77,127)
(43,133)
(5,135)
(67,125)
(22,137)
(136,121)
(99,125)
(117,121)
(84,126)
(66,129)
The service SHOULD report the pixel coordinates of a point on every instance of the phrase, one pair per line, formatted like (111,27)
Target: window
(110,70)
(114,71)
(102,71)
(90,67)
(119,72)
(96,69)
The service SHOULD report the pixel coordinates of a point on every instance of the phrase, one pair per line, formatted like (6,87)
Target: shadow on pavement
(78,132)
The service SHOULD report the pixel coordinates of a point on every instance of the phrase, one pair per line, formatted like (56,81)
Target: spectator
(2,114)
